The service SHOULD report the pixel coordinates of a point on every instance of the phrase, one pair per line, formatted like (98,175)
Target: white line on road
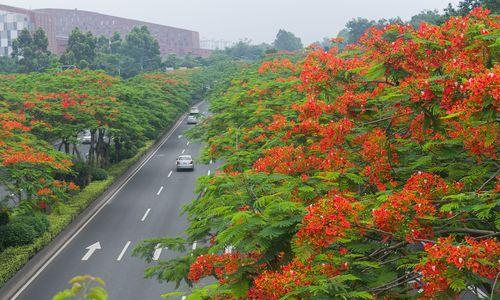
(208,173)
(159,191)
(183,150)
(123,251)
(170,174)
(92,248)
(157,253)
(194,245)
(47,262)
(145,215)
(211,161)
(187,144)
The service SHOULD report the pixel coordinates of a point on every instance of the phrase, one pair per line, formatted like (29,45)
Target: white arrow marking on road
(92,248)
(208,173)
(183,150)
(145,215)
(159,191)
(194,245)
(123,251)
(157,253)
(170,174)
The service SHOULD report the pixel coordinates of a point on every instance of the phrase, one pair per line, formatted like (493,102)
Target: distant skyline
(257,20)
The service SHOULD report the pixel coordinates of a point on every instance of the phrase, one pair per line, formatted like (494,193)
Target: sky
(256,20)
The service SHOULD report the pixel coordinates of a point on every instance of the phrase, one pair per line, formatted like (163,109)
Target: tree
(142,51)
(464,7)
(31,51)
(115,43)
(81,50)
(172,61)
(244,50)
(427,16)
(287,41)
(369,173)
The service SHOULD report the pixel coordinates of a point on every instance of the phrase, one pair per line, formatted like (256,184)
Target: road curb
(47,253)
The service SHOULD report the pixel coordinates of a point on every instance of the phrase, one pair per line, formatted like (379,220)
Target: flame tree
(367,173)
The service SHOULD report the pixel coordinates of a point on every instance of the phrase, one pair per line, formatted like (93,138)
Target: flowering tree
(362,174)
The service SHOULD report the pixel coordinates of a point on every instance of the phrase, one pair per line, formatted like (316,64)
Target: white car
(194,110)
(185,162)
(86,137)
(192,119)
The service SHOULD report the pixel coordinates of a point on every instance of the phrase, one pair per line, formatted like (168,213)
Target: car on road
(192,119)
(194,110)
(185,162)
(86,137)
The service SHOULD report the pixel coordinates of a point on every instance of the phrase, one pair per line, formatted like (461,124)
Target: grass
(14,258)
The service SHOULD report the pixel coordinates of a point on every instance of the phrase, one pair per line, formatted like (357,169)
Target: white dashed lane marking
(170,174)
(145,215)
(123,251)
(159,191)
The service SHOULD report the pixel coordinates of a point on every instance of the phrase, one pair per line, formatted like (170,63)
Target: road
(147,206)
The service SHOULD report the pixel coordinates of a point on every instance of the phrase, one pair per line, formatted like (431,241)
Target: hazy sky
(258,20)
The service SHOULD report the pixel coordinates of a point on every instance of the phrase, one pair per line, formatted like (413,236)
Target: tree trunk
(118,147)
(91,154)
(66,146)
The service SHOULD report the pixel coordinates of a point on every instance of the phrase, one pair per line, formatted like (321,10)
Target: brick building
(58,24)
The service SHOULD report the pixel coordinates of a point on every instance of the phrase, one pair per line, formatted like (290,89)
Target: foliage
(8,65)
(31,51)
(81,49)
(287,41)
(39,108)
(143,51)
(37,221)
(4,216)
(367,173)
(12,259)
(99,174)
(244,50)
(84,287)
(355,28)
(16,234)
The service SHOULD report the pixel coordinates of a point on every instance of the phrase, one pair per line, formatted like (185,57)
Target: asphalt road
(147,206)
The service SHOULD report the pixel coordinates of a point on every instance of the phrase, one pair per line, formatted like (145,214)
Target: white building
(11,23)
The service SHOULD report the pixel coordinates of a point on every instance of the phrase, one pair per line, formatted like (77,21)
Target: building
(13,20)
(58,24)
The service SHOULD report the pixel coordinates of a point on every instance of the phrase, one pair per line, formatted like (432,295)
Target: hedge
(14,258)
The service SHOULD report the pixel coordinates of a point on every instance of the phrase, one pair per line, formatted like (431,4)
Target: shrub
(99,174)
(16,234)
(37,221)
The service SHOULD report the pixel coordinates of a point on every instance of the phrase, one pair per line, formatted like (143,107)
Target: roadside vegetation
(42,117)
(367,172)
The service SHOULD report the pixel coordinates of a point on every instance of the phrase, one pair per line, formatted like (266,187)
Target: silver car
(185,162)
(192,119)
